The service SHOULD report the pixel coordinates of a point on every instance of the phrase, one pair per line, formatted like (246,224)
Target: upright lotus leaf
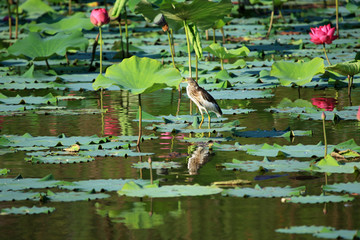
(203,13)
(78,22)
(117,8)
(297,73)
(35,7)
(38,48)
(195,39)
(139,75)
(223,53)
(346,68)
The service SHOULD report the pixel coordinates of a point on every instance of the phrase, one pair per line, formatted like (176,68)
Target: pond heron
(202,99)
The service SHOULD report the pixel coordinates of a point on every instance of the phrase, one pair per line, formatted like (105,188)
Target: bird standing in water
(202,99)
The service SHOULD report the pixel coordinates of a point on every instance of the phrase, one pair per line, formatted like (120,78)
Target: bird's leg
(202,120)
(208,118)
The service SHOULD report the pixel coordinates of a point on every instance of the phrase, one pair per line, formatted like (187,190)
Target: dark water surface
(208,217)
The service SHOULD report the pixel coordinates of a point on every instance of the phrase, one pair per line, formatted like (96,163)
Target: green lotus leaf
(26,210)
(7,196)
(35,7)
(117,8)
(223,53)
(20,183)
(195,39)
(331,165)
(58,44)
(303,229)
(57,159)
(74,196)
(48,99)
(272,133)
(320,199)
(76,22)
(157,165)
(4,171)
(241,94)
(267,192)
(297,73)
(346,68)
(132,189)
(203,13)
(113,153)
(274,166)
(138,76)
(99,185)
(350,187)
(268,2)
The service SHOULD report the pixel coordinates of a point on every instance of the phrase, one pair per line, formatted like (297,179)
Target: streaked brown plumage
(202,99)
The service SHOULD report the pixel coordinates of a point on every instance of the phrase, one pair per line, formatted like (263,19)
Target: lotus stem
(69,7)
(214,37)
(324,130)
(207,35)
(140,119)
(47,63)
(222,63)
(270,25)
(326,55)
(121,39)
(150,166)
(126,34)
(223,34)
(17,20)
(67,59)
(94,50)
(172,41)
(337,17)
(196,67)
(350,82)
(171,49)
(9,20)
(101,43)
(102,112)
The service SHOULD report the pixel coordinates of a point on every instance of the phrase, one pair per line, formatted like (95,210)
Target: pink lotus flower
(99,17)
(322,34)
(358,114)
(327,104)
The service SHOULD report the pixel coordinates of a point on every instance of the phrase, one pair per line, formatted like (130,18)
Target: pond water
(213,216)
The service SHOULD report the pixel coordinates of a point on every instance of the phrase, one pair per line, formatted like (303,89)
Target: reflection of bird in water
(202,99)
(198,158)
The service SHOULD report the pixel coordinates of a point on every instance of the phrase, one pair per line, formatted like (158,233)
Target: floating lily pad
(113,153)
(99,185)
(132,189)
(350,187)
(157,165)
(59,159)
(267,192)
(20,183)
(331,165)
(272,133)
(48,99)
(320,199)
(241,94)
(26,210)
(16,196)
(74,196)
(274,166)
(321,232)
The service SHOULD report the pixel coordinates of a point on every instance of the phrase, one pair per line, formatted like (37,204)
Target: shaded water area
(207,217)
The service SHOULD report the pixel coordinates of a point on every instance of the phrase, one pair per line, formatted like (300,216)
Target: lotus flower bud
(99,17)
(149,160)
(323,116)
(323,34)
(160,21)
(358,114)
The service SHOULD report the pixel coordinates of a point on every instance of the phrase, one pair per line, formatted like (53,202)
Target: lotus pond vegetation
(99,139)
